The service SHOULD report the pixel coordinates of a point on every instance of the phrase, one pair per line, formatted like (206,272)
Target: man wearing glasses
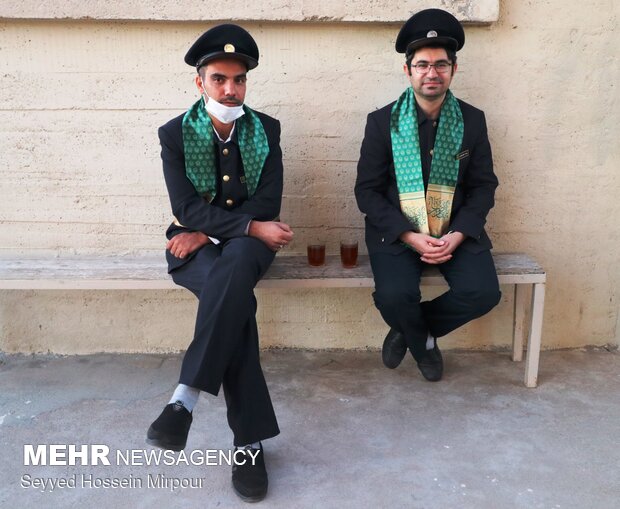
(426,184)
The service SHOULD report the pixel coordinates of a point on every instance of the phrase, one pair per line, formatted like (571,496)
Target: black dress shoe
(170,429)
(249,479)
(430,363)
(394,349)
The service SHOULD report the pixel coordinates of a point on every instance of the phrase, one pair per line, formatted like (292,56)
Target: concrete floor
(354,434)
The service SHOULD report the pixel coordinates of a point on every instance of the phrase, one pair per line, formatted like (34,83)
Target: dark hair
(449,51)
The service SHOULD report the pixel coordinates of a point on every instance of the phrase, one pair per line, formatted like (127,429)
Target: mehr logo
(99,454)
(57,454)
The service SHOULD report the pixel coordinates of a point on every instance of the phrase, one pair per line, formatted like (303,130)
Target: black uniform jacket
(229,213)
(377,193)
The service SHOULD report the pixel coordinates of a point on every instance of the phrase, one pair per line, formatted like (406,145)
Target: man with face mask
(426,184)
(223,169)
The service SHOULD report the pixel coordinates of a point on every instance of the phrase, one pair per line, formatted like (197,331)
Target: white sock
(187,395)
(430,342)
(255,445)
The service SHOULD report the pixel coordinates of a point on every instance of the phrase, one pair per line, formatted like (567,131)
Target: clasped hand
(433,251)
(274,234)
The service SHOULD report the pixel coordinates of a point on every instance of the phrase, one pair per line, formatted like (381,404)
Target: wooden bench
(149,273)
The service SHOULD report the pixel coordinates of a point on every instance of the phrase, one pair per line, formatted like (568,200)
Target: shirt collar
(422,116)
(230,136)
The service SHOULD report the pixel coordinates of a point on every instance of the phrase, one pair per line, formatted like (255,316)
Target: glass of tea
(348,254)
(316,254)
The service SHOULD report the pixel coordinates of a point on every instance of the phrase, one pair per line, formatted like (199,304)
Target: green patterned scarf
(430,214)
(200,150)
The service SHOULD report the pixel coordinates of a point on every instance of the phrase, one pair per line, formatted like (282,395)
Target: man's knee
(489,299)
(245,260)
(244,243)
(389,297)
(481,301)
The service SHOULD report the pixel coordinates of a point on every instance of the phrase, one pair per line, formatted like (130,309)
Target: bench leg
(518,329)
(534,341)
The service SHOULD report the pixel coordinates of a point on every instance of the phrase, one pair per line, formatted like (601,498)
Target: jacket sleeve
(373,181)
(189,208)
(479,184)
(265,204)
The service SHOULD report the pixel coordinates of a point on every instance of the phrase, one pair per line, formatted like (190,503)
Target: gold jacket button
(225,151)
(225,178)
(229,202)
(432,151)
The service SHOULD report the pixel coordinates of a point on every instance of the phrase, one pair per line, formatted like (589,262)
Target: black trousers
(224,351)
(474,291)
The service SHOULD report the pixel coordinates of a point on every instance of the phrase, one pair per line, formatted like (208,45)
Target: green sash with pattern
(429,214)
(200,150)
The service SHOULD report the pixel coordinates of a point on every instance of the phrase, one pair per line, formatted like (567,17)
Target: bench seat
(148,272)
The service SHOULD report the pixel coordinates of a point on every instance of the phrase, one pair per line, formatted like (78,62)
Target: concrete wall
(80,172)
(477,11)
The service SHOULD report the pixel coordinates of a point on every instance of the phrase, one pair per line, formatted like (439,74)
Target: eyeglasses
(441,67)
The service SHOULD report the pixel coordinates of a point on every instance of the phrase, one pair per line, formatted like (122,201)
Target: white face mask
(225,114)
